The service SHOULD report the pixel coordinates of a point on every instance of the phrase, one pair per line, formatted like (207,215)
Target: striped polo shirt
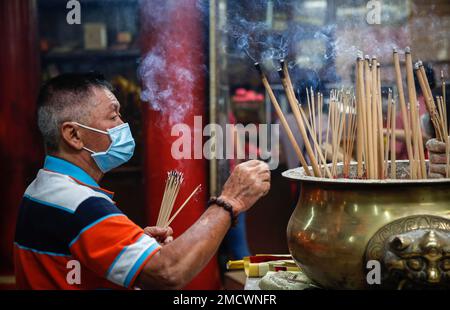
(67,221)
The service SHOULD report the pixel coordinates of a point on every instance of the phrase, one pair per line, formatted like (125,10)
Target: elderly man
(67,220)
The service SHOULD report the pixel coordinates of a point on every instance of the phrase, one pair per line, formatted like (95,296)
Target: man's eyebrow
(115,104)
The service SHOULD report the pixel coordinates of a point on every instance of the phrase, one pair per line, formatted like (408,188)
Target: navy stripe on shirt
(93,209)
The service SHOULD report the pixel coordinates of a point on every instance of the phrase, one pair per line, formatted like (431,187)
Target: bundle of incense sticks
(357,120)
(173,184)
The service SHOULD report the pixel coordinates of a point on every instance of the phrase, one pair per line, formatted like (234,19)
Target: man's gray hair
(68,97)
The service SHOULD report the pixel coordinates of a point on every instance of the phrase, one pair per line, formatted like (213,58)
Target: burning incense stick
(301,126)
(282,119)
(429,101)
(285,69)
(393,140)
(360,114)
(390,114)
(350,132)
(443,88)
(374,115)
(317,147)
(417,132)
(369,120)
(325,144)
(401,96)
(342,123)
(443,114)
(380,124)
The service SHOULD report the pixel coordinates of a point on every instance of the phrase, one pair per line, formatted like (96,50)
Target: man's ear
(71,135)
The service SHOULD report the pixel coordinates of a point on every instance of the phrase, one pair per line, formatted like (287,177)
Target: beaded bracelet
(223,204)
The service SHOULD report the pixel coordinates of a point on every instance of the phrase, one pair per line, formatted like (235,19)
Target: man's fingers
(438,158)
(169,231)
(168,240)
(251,163)
(159,232)
(440,169)
(155,230)
(435,146)
(150,230)
(435,176)
(265,176)
(265,188)
(260,167)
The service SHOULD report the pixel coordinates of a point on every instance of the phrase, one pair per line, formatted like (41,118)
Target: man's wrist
(236,204)
(225,205)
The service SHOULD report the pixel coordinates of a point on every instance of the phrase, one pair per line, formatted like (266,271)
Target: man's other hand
(161,234)
(438,160)
(247,183)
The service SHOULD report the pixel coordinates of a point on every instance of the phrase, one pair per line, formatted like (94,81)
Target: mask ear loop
(90,151)
(93,129)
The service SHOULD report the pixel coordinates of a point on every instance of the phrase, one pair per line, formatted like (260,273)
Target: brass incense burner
(343,231)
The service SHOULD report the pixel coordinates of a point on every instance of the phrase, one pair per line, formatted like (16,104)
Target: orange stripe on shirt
(99,245)
(47,272)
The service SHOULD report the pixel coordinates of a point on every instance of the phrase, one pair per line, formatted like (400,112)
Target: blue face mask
(119,152)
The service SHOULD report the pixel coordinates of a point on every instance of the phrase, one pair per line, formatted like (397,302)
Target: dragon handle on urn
(414,252)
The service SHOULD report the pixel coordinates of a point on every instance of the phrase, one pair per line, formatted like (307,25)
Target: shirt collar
(65,167)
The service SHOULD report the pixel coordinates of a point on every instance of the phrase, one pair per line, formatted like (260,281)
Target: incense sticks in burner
(370,148)
(343,123)
(355,122)
(390,137)
(438,112)
(429,101)
(282,119)
(288,88)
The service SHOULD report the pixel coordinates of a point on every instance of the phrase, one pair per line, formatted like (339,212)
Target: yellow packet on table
(235,264)
(259,265)
(258,258)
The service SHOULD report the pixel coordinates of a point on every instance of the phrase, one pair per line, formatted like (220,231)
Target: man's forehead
(113,98)
(107,97)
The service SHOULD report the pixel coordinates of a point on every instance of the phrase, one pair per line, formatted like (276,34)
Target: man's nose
(120,121)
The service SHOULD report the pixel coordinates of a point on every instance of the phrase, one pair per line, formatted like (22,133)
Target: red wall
(20,147)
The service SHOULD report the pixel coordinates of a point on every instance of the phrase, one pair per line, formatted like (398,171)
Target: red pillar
(20,150)
(173,33)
